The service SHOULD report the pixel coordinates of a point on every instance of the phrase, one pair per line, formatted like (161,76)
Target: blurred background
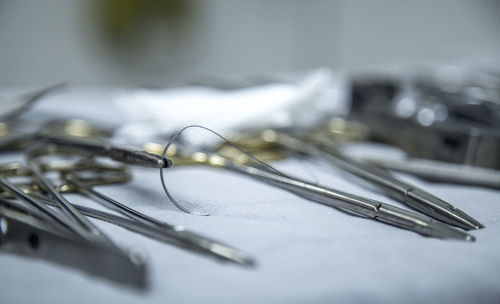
(129,42)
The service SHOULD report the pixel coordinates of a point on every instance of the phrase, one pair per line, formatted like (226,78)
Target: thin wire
(173,138)
(313,177)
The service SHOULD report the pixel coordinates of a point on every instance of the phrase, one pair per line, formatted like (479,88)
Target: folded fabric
(156,113)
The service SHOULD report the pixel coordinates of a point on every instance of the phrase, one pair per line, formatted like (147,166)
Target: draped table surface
(306,252)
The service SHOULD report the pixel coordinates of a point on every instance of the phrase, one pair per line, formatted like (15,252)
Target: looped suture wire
(173,138)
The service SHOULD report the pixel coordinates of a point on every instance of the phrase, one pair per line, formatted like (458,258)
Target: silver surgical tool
(406,193)
(438,171)
(49,214)
(85,228)
(137,222)
(23,232)
(171,234)
(124,155)
(359,205)
(344,201)
(161,230)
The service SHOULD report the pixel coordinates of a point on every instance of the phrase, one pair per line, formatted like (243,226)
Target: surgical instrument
(348,202)
(197,242)
(22,232)
(85,227)
(438,171)
(124,155)
(78,136)
(432,122)
(108,174)
(16,135)
(359,205)
(138,222)
(171,234)
(318,146)
(48,213)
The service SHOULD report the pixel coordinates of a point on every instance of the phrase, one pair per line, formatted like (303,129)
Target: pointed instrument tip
(229,254)
(441,210)
(477,226)
(472,223)
(238,257)
(447,232)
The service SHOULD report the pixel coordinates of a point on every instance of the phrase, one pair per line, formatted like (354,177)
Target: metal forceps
(318,145)
(134,221)
(347,202)
(161,230)
(29,227)
(70,220)
(24,232)
(80,223)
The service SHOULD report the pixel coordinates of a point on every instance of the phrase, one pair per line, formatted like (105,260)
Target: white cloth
(149,113)
(306,253)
